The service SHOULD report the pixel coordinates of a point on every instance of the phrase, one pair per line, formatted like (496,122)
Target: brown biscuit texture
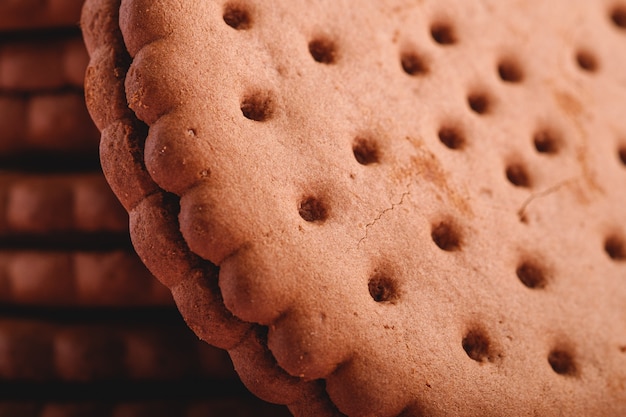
(402,208)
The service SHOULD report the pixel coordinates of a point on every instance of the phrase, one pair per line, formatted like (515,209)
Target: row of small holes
(447,238)
(413,64)
(239,18)
(475,343)
(445,235)
(545,142)
(258,107)
(530,273)
(548,143)
(533,275)
(477,346)
(323,50)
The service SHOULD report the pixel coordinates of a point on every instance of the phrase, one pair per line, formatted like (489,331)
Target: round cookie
(414,209)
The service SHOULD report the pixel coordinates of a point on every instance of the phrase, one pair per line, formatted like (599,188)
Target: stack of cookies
(85,329)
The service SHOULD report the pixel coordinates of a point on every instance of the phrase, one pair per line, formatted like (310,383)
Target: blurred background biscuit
(30,63)
(30,277)
(55,121)
(39,14)
(59,203)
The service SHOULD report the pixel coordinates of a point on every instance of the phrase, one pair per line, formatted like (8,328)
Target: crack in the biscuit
(381,214)
(521,213)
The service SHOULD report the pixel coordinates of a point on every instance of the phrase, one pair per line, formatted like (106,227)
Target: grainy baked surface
(415,209)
